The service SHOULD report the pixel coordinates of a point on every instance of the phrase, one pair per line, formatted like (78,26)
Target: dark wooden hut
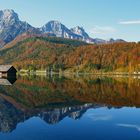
(7,71)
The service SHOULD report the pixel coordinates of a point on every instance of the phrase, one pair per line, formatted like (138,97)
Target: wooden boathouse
(7,71)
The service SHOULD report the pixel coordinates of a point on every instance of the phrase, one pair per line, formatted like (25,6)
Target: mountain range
(11,27)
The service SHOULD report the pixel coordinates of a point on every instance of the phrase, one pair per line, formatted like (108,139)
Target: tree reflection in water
(54,98)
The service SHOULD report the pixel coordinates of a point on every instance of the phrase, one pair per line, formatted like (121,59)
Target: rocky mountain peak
(11,26)
(59,29)
(80,31)
(8,15)
(53,27)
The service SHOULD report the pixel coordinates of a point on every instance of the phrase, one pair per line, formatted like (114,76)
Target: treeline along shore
(56,55)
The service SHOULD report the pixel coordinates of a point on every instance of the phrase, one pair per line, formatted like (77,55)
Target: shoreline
(42,72)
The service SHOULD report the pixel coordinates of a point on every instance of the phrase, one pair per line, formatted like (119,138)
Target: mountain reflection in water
(54,98)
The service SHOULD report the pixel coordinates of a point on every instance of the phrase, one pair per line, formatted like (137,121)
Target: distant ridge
(11,27)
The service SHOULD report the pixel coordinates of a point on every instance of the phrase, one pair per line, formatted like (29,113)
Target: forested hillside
(70,55)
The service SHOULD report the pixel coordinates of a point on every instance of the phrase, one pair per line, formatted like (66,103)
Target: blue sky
(100,18)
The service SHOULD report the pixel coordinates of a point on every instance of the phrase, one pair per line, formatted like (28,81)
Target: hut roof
(5,68)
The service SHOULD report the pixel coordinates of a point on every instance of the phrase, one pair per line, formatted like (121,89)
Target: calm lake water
(74,108)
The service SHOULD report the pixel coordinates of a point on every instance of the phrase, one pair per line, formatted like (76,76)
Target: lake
(70,108)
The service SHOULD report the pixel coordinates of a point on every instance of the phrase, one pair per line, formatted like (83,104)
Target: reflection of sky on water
(137,127)
(99,117)
(96,123)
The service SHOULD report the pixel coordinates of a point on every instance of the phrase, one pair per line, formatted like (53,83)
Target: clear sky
(100,18)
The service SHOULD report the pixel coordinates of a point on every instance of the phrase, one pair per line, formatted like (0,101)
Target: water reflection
(54,98)
(7,80)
